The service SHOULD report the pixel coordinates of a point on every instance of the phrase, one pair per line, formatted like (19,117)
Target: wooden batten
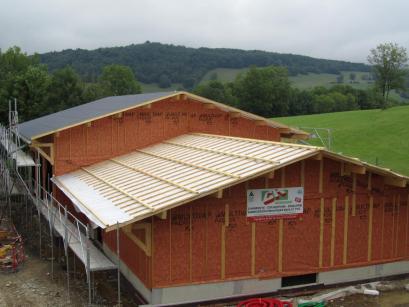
(57,134)
(88,124)
(147,106)
(396,182)
(356,169)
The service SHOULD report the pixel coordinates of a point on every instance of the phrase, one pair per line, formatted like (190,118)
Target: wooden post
(321,233)
(346,216)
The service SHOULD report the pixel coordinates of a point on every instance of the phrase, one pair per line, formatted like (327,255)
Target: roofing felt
(110,105)
(84,112)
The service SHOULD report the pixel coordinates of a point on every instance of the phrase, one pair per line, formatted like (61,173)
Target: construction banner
(266,204)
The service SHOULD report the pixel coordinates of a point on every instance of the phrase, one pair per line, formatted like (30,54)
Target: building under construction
(204,201)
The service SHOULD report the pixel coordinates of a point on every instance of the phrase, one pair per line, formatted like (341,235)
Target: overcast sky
(334,29)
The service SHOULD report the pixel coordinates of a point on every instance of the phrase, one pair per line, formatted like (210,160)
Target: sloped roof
(107,106)
(83,113)
(145,182)
(148,181)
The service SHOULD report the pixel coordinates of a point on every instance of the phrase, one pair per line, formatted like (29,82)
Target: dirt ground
(32,286)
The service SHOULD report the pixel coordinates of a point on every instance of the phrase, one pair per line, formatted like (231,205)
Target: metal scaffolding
(16,168)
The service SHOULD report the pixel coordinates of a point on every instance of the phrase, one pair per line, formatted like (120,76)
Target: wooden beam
(353,194)
(345,244)
(88,124)
(118,115)
(396,182)
(284,130)
(333,226)
(280,244)
(353,168)
(39,147)
(317,157)
(235,114)
(261,123)
(321,248)
(209,106)
(296,136)
(321,177)
(145,246)
(162,215)
(370,222)
(253,248)
(218,194)
(270,175)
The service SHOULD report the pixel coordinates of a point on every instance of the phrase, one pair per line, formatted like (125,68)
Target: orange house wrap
(175,168)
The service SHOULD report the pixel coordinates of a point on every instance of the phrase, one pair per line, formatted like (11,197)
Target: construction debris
(11,247)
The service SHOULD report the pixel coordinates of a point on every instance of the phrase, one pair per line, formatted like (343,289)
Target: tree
(340,78)
(389,66)
(65,90)
(31,90)
(352,76)
(164,81)
(92,91)
(264,91)
(216,91)
(119,80)
(13,65)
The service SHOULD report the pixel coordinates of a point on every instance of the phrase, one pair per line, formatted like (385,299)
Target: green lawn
(224,74)
(368,134)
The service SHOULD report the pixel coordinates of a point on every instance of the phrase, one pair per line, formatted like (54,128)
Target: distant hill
(169,64)
(374,136)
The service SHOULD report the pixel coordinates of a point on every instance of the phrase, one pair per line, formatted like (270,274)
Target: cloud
(343,30)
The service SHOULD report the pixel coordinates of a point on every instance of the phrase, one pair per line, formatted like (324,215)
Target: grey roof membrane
(84,112)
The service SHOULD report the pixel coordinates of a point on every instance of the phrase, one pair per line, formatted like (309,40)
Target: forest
(166,64)
(266,91)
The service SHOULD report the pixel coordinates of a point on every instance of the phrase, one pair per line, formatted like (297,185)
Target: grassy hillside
(367,134)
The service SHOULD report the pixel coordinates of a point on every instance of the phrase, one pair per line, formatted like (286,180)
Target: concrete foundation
(192,293)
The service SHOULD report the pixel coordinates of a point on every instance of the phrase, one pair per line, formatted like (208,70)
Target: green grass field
(368,134)
(300,81)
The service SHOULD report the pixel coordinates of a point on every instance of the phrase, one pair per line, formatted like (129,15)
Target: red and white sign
(266,204)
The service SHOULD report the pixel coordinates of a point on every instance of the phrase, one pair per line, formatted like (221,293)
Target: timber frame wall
(119,134)
(351,219)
